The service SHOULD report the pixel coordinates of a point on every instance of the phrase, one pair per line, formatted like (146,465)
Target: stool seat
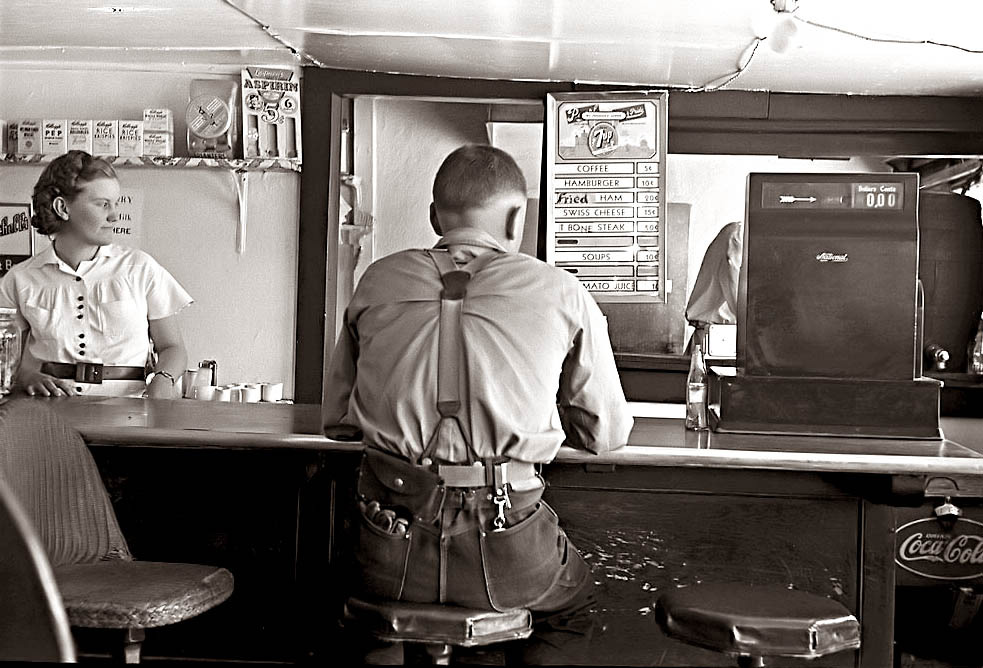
(758,621)
(435,623)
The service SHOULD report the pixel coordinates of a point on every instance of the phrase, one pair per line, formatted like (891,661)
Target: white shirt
(714,296)
(98,313)
(533,339)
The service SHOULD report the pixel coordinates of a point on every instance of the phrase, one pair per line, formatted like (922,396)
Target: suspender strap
(451,380)
(449,361)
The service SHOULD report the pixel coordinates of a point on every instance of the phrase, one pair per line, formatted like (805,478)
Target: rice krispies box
(271,112)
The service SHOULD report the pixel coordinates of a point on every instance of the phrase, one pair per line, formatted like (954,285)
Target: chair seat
(757,621)
(437,623)
(139,594)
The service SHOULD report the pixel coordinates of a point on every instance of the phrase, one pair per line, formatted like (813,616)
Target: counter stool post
(756,623)
(132,643)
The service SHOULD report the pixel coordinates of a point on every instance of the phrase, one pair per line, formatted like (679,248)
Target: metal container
(10,349)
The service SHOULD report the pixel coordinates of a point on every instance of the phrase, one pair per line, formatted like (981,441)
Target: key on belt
(502,500)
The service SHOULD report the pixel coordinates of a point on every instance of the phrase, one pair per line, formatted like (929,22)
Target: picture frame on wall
(16,234)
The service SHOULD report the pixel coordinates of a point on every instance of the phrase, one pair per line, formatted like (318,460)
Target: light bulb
(781,38)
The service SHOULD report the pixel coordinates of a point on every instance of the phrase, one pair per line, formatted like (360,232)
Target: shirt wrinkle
(520,320)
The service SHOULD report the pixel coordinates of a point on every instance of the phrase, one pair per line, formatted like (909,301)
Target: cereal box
(29,137)
(157,144)
(80,135)
(130,139)
(105,138)
(54,137)
(158,120)
(271,112)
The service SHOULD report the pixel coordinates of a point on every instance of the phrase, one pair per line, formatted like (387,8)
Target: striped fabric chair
(50,470)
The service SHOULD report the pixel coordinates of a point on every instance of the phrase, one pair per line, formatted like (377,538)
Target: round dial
(208,116)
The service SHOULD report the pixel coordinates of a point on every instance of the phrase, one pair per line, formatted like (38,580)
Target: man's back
(532,336)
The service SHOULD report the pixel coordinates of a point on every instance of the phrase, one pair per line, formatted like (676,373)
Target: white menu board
(605,167)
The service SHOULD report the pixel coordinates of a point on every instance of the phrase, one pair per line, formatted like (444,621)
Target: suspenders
(452,392)
(452,384)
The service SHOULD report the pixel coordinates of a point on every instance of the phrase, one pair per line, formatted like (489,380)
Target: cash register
(828,323)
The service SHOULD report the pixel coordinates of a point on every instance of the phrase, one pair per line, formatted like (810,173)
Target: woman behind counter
(91,311)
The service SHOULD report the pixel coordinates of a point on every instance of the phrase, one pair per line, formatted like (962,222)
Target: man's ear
(434,222)
(515,223)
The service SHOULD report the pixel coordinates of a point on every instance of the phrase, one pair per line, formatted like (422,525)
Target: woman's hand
(35,383)
(161,387)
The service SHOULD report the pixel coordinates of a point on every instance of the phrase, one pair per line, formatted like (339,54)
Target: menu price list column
(606,211)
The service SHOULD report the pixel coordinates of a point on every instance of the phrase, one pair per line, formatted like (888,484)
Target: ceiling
(873,47)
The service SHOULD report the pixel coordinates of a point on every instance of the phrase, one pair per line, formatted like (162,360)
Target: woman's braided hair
(64,177)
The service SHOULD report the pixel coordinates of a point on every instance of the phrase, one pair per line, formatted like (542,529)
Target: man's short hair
(474,174)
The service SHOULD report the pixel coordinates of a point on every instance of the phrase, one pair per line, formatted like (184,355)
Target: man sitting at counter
(523,362)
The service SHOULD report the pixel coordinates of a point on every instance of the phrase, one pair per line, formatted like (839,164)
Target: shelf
(235,164)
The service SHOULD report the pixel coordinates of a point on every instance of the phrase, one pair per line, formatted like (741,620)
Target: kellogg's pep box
(54,136)
(271,112)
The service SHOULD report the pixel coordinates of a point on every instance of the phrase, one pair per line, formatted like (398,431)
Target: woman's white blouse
(98,313)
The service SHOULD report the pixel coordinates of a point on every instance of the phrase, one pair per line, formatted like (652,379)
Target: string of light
(748,54)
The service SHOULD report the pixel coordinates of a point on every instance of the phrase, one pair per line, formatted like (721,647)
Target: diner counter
(655,441)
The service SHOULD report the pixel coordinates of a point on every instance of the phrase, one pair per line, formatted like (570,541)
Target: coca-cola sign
(926,548)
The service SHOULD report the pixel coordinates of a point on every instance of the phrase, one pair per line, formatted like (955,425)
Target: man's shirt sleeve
(592,404)
(340,378)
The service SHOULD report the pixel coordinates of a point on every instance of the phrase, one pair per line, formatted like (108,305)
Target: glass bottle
(10,349)
(696,391)
(976,352)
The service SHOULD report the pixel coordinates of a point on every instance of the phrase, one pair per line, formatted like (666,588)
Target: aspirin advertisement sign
(925,548)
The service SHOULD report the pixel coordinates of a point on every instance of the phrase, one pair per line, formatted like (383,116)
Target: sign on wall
(605,166)
(16,235)
(128,230)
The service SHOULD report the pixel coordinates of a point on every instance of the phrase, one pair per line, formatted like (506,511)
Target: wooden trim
(719,122)
(314,281)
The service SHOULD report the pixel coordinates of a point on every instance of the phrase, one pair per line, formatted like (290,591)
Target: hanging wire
(747,55)
(297,53)
(888,40)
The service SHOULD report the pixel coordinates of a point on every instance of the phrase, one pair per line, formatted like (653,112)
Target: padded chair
(438,627)
(33,623)
(756,623)
(50,470)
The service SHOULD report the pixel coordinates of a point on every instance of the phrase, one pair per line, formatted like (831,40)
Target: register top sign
(606,183)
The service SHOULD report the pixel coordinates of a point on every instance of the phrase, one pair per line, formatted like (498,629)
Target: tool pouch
(524,561)
(413,491)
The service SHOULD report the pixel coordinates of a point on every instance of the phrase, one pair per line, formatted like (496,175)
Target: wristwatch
(165,374)
(210,126)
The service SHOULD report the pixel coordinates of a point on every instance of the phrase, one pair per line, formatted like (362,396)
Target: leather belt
(90,372)
(477,475)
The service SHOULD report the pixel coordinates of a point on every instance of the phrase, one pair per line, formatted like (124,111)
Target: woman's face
(92,213)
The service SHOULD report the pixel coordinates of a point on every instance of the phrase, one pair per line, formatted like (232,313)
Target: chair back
(50,470)
(33,622)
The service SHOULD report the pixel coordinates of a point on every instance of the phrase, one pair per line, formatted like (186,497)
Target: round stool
(437,627)
(757,622)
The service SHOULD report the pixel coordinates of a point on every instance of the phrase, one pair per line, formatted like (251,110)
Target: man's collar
(470,236)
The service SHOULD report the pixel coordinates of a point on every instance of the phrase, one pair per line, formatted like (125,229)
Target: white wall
(245,304)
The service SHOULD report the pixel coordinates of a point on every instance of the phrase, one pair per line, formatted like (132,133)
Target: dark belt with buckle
(89,372)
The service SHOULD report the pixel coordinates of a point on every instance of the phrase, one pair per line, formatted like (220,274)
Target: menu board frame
(606,187)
